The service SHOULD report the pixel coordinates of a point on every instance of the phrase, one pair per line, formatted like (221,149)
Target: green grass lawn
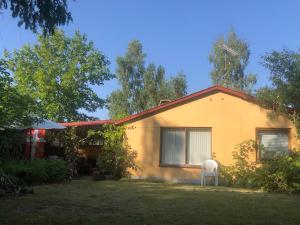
(141,202)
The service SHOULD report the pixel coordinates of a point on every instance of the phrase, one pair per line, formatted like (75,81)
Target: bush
(225,174)
(36,171)
(243,172)
(68,141)
(11,144)
(116,156)
(281,174)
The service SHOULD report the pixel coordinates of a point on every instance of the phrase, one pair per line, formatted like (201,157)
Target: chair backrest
(209,166)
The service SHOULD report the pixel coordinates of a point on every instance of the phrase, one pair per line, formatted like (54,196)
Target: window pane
(173,146)
(273,142)
(199,145)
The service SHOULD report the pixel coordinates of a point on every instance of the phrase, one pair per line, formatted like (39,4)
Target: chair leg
(216,180)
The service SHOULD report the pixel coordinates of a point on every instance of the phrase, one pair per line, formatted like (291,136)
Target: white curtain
(199,145)
(173,146)
(274,141)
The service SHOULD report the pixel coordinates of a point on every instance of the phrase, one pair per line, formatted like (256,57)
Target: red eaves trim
(86,123)
(159,108)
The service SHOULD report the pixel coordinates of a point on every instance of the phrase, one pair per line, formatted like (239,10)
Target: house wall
(232,120)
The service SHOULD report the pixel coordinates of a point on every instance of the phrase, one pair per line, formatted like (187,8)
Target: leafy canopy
(284,94)
(39,13)
(16,109)
(58,73)
(229,65)
(142,86)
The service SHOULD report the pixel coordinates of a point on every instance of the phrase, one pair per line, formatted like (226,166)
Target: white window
(173,146)
(182,146)
(273,141)
(199,145)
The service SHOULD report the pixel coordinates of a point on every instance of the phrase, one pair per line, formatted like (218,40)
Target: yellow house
(173,139)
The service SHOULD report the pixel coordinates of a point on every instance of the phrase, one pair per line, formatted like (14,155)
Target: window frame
(263,129)
(186,129)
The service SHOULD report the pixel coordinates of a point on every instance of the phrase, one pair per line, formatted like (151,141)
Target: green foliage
(284,94)
(11,144)
(36,171)
(229,69)
(244,168)
(69,141)
(225,174)
(16,108)
(12,186)
(39,13)
(281,174)
(142,87)
(58,73)
(243,172)
(116,156)
(178,86)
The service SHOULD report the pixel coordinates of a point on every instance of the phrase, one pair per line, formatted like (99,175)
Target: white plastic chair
(209,168)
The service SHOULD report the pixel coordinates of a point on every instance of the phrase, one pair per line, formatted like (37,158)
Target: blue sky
(176,34)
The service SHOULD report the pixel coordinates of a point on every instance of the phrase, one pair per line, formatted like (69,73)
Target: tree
(284,94)
(39,13)
(58,73)
(16,109)
(142,87)
(178,85)
(230,58)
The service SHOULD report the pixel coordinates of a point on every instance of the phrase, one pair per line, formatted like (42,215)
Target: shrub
(278,174)
(68,140)
(243,172)
(11,144)
(281,174)
(36,171)
(225,174)
(116,157)
(67,143)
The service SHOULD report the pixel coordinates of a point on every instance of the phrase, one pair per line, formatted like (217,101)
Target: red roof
(188,98)
(86,123)
(168,105)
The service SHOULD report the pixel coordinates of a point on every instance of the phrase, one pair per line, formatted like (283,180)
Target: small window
(185,146)
(273,142)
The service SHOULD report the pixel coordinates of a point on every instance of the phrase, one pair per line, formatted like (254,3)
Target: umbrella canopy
(45,125)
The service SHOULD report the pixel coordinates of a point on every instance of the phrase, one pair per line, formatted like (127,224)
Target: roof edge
(190,97)
(86,123)
(159,108)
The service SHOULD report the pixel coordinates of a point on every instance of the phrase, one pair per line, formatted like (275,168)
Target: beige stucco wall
(231,119)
